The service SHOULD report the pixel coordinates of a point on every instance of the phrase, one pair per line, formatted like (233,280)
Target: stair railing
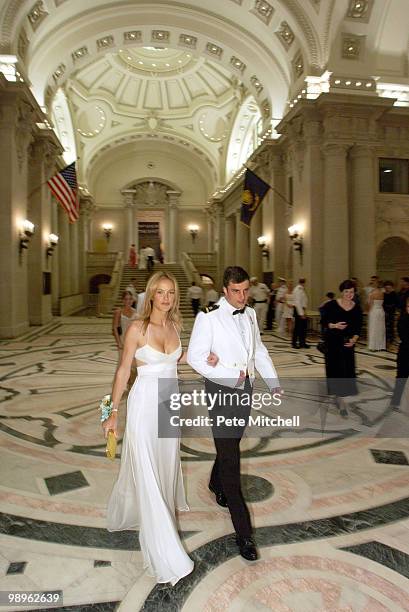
(108,293)
(190,269)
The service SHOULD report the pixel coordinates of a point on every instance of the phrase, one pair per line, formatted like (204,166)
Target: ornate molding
(23,132)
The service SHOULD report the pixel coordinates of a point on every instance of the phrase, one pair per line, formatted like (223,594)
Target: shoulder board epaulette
(207,309)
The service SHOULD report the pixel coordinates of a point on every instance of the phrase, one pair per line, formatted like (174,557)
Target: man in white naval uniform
(230,331)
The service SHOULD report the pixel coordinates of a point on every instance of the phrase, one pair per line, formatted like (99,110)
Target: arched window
(244,137)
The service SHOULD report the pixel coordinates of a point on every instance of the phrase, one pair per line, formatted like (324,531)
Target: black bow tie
(239,311)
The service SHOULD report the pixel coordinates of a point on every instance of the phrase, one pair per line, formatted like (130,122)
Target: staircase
(141,279)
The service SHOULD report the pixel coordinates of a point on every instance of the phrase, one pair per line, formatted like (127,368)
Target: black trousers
(225,476)
(390,323)
(402,373)
(150,263)
(195,306)
(300,330)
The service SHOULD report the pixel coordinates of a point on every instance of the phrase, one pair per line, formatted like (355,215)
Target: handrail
(204,258)
(190,269)
(108,293)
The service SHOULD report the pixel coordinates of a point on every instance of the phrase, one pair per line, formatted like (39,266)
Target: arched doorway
(392,259)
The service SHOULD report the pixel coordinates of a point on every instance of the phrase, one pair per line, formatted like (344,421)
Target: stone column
(279,246)
(86,207)
(74,257)
(54,265)
(210,230)
(220,246)
(173,199)
(242,243)
(130,221)
(17,118)
(43,153)
(230,241)
(256,265)
(363,248)
(336,229)
(64,246)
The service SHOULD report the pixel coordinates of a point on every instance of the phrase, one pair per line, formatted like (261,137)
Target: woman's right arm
(122,375)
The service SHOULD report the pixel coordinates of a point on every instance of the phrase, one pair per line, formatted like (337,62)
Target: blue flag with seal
(253,193)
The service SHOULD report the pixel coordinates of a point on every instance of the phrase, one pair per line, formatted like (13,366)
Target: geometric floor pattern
(331,513)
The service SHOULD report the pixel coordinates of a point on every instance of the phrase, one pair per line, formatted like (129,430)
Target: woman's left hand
(212,359)
(349,344)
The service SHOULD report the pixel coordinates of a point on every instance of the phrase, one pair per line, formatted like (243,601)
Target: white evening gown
(376,327)
(150,485)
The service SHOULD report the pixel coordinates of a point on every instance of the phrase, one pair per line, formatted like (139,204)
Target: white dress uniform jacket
(218,332)
(300,300)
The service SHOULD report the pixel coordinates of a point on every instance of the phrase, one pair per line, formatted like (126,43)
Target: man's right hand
(241,379)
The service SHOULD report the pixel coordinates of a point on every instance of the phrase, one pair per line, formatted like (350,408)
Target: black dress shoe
(247,548)
(220,497)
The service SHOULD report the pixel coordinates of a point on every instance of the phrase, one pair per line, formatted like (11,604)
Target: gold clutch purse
(111,445)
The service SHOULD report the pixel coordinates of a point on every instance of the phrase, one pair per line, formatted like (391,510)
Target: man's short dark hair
(405,279)
(234,274)
(301,281)
(330,295)
(346,284)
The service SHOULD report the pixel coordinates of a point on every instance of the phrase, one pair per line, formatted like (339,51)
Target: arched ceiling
(164,70)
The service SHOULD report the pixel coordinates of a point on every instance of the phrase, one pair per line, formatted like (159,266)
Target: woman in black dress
(341,322)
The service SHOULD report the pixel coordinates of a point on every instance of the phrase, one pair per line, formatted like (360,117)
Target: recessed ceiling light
(140,62)
(167,65)
(387,170)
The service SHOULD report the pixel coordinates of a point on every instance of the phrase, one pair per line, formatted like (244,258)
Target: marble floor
(330,508)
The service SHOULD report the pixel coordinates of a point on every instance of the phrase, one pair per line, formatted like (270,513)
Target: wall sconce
(295,232)
(262,243)
(107,227)
(52,243)
(193,231)
(27,230)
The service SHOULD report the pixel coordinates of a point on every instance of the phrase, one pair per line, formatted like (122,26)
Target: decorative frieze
(105,42)
(352,46)
(237,64)
(132,36)
(187,40)
(37,14)
(79,53)
(285,34)
(263,10)
(162,36)
(214,50)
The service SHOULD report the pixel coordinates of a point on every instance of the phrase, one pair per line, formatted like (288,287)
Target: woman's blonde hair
(174,314)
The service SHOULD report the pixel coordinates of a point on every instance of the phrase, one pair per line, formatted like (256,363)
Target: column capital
(87,206)
(173,198)
(362,150)
(335,149)
(129,197)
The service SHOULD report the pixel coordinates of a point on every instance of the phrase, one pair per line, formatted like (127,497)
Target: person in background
(133,257)
(390,305)
(288,311)
(271,307)
(342,323)
(328,297)
(403,293)
(140,302)
(142,259)
(122,318)
(131,288)
(195,295)
(357,287)
(402,362)
(212,296)
(376,319)
(150,257)
(279,301)
(300,313)
(373,281)
(259,292)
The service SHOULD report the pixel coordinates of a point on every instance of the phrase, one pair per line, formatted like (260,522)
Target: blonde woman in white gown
(150,487)
(376,320)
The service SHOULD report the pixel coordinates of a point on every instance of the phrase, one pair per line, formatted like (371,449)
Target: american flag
(65,188)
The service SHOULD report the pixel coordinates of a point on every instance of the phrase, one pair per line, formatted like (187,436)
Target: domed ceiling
(162,92)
